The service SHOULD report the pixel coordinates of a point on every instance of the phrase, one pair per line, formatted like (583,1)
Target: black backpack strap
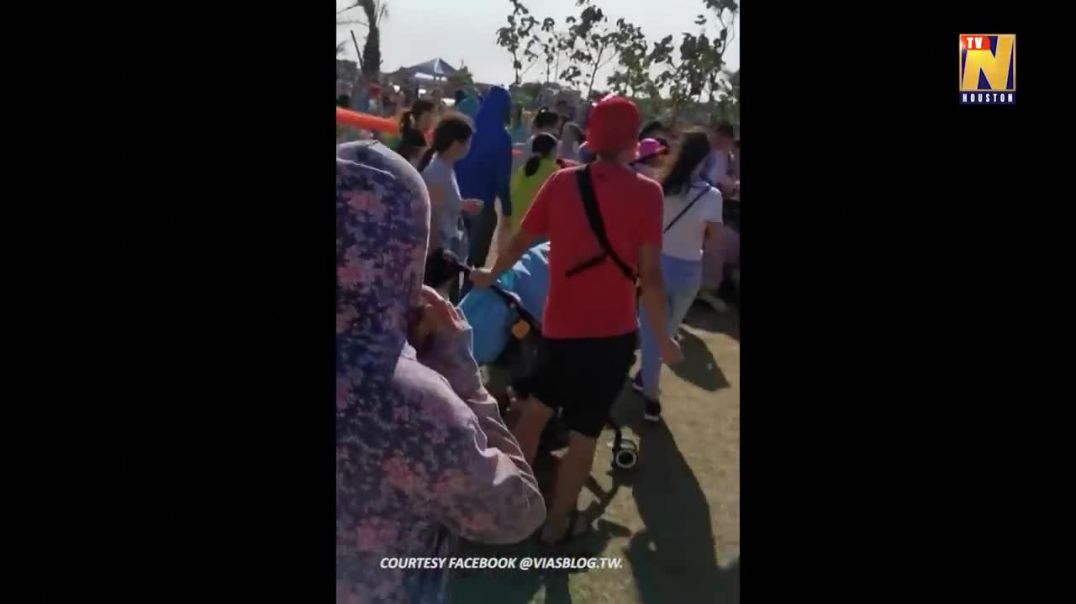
(686,208)
(594,217)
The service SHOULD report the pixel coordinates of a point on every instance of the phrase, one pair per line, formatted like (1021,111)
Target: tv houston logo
(987,69)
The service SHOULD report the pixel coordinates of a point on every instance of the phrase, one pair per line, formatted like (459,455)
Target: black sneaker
(651,411)
(637,382)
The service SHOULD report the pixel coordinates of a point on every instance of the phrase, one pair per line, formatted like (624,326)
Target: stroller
(508,340)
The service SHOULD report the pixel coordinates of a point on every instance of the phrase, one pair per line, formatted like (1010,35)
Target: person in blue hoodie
(486,172)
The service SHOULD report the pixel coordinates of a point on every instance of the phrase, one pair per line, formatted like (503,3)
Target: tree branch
(732,36)
(528,68)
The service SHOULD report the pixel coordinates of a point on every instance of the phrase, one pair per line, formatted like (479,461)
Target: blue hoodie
(487,170)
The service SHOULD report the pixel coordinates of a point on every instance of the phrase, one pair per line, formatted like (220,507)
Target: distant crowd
(540,140)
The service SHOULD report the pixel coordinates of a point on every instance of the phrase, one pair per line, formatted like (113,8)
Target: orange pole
(365,121)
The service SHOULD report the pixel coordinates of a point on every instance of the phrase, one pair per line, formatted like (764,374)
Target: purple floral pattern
(422,454)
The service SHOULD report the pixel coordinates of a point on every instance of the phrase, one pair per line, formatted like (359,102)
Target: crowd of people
(631,214)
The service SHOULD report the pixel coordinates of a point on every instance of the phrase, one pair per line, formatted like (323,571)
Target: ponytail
(427,156)
(532,164)
(407,120)
(419,107)
(542,147)
(453,128)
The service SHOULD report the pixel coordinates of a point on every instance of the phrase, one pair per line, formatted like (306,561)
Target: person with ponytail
(545,122)
(451,142)
(532,175)
(414,123)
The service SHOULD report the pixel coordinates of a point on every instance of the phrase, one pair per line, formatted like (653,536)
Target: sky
(465,31)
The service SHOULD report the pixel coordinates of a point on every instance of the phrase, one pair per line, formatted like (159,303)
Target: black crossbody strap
(594,217)
(684,211)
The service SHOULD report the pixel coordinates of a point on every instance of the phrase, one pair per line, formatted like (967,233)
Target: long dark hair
(543,145)
(452,128)
(694,147)
(545,119)
(649,129)
(411,140)
(411,116)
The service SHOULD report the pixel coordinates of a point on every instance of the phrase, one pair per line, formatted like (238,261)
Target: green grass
(674,520)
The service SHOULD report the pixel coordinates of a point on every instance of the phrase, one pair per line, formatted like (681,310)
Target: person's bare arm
(713,229)
(521,242)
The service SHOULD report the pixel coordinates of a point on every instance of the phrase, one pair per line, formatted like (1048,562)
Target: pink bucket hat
(649,147)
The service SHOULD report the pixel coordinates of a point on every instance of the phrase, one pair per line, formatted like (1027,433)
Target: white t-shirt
(685,239)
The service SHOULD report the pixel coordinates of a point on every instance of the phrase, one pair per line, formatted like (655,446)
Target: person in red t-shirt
(589,320)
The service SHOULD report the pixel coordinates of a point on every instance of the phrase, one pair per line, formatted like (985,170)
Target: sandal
(574,531)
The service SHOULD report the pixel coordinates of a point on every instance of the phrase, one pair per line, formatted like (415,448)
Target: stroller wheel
(623,444)
(625,459)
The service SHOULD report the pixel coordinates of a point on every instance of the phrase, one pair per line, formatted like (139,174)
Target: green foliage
(633,75)
(553,44)
(721,6)
(594,43)
(696,68)
(668,77)
(374,11)
(460,79)
(517,38)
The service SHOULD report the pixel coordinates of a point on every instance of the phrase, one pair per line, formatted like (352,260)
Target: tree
(599,43)
(724,13)
(697,67)
(684,71)
(461,78)
(375,11)
(633,76)
(516,38)
(672,77)
(552,44)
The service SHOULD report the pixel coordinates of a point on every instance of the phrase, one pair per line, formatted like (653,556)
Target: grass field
(674,521)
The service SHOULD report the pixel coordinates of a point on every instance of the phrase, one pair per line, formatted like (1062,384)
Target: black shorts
(583,376)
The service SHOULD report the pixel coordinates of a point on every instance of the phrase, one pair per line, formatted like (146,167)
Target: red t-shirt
(598,302)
